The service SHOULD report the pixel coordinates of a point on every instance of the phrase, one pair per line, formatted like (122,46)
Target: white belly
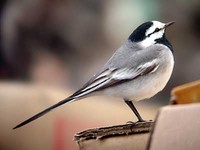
(145,86)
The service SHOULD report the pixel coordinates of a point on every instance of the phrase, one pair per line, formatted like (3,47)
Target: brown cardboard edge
(113,131)
(153,129)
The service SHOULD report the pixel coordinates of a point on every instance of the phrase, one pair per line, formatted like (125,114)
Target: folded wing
(113,76)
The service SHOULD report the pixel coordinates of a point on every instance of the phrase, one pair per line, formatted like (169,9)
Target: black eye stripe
(156,30)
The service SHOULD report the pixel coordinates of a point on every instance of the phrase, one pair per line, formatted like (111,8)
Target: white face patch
(151,35)
(156,24)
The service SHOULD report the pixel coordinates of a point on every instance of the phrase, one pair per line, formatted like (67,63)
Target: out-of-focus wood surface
(55,130)
(187,93)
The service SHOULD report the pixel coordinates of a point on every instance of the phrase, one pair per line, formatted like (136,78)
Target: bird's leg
(130,104)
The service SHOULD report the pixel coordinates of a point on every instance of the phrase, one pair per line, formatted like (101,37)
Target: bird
(137,70)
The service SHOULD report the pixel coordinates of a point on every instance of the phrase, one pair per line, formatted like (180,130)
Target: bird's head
(149,33)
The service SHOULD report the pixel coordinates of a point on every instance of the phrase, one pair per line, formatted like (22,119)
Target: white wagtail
(138,70)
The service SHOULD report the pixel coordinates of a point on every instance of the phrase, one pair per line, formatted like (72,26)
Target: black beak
(169,24)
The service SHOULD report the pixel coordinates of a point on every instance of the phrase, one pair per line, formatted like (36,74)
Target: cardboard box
(176,128)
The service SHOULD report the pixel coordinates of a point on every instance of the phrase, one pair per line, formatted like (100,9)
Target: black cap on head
(139,33)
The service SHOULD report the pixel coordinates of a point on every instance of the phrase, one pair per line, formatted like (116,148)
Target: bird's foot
(139,121)
(130,122)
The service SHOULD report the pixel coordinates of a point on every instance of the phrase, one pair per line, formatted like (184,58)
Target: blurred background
(49,48)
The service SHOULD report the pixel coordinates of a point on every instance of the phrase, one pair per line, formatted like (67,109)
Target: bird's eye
(157,29)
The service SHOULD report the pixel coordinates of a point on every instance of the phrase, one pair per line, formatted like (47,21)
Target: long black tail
(44,112)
